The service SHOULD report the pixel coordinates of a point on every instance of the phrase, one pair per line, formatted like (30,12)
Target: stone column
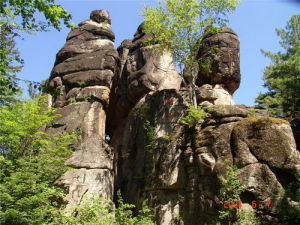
(80,84)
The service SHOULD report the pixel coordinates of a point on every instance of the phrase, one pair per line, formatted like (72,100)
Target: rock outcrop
(134,94)
(83,75)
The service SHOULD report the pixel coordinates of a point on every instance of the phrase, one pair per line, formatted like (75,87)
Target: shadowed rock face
(219,60)
(133,92)
(295,123)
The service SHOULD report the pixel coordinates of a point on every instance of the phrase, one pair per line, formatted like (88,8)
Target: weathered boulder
(92,153)
(100,16)
(254,136)
(87,59)
(87,117)
(90,35)
(219,60)
(92,159)
(99,93)
(216,95)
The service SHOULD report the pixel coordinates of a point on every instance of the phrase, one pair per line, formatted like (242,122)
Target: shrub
(100,211)
(194,114)
(230,191)
(30,162)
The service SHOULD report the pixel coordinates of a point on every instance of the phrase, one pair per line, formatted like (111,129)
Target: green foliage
(246,218)
(178,27)
(230,191)
(71,100)
(26,11)
(10,63)
(100,211)
(151,143)
(194,114)
(289,209)
(206,63)
(252,112)
(15,18)
(30,162)
(150,147)
(282,77)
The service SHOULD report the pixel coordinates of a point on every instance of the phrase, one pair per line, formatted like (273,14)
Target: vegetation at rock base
(30,162)
(194,114)
(231,190)
(282,76)
(178,26)
(99,211)
(289,209)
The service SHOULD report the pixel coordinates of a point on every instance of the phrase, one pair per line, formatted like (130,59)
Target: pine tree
(282,77)
(10,63)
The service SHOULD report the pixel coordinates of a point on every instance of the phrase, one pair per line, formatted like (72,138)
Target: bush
(30,162)
(100,211)
(230,191)
(194,114)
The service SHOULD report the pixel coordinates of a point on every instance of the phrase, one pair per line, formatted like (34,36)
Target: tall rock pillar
(81,81)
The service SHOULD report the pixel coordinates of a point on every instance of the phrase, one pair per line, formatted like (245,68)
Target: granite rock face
(135,96)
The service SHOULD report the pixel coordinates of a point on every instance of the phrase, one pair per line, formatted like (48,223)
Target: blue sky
(254,21)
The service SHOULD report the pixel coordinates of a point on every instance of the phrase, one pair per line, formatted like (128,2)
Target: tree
(30,162)
(178,26)
(26,11)
(282,76)
(17,17)
(10,61)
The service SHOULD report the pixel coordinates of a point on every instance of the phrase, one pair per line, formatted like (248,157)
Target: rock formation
(142,72)
(83,74)
(135,95)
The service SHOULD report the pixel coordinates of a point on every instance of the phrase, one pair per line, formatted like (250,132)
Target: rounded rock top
(100,16)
